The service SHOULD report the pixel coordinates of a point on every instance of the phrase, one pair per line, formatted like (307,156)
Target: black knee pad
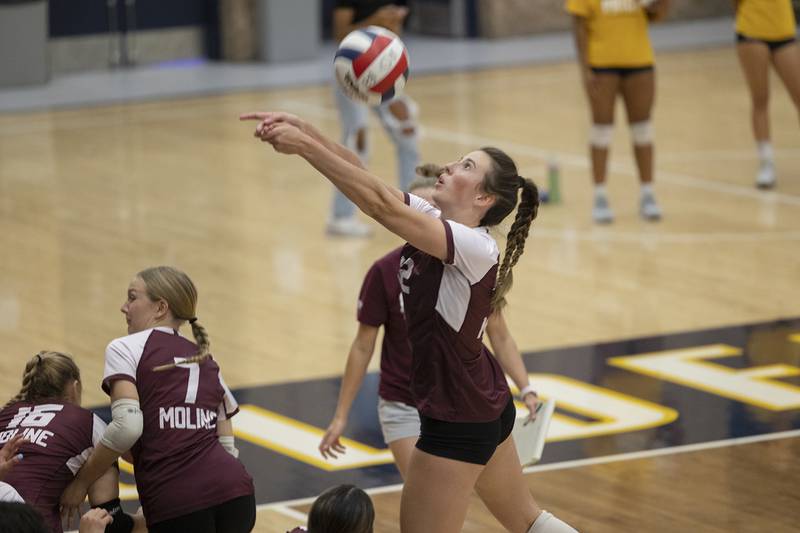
(122,523)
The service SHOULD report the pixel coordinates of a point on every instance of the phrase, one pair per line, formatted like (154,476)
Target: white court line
(577,161)
(291,513)
(566,465)
(602,235)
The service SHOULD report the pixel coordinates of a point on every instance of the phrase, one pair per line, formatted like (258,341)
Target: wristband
(527,389)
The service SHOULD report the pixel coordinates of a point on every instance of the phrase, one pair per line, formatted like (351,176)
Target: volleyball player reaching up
(766,33)
(171,409)
(451,282)
(380,304)
(616,58)
(58,436)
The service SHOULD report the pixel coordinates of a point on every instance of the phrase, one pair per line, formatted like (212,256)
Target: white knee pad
(394,126)
(600,135)
(547,523)
(642,132)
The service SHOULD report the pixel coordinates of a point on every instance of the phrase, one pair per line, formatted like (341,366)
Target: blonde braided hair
(177,290)
(46,375)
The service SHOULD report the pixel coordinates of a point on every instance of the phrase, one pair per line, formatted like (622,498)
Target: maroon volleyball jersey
(447,305)
(380,304)
(62,436)
(179,465)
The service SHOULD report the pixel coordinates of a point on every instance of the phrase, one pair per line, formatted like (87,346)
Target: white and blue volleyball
(371,65)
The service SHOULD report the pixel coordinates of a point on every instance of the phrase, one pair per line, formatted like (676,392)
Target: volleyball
(371,65)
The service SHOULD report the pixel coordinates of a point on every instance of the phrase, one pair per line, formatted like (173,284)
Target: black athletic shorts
(773,45)
(622,72)
(234,516)
(470,442)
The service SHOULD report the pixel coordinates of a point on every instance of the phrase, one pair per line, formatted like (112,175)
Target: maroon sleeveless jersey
(447,305)
(179,465)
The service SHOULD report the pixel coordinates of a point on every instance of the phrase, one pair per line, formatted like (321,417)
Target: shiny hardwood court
(90,196)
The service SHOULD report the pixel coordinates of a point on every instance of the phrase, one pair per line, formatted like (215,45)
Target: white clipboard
(529,437)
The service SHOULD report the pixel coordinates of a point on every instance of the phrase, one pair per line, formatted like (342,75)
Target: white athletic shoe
(348,227)
(648,207)
(765,179)
(601,212)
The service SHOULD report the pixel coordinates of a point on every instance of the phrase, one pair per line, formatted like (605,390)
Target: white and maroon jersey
(61,437)
(447,305)
(179,465)
(379,304)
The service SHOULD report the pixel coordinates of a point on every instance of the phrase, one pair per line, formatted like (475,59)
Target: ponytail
(527,210)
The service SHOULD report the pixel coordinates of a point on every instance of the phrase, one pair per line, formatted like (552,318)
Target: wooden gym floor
(90,196)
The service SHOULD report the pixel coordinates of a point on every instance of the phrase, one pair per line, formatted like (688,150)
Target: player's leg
(399,118)
(786,60)
(602,96)
(236,516)
(754,57)
(502,488)
(354,120)
(400,427)
(436,493)
(638,91)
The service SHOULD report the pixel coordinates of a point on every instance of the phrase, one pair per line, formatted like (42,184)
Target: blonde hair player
(451,282)
(616,58)
(379,304)
(59,435)
(172,410)
(766,33)
(398,116)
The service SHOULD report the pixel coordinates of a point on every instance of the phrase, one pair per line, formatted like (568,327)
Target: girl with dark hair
(58,436)
(172,410)
(451,278)
(340,509)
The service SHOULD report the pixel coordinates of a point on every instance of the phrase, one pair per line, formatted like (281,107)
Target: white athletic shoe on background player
(648,207)
(765,179)
(601,211)
(348,227)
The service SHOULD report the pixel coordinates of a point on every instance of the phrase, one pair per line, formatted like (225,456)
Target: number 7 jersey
(179,465)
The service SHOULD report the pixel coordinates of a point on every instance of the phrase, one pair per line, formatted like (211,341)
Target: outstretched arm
(124,427)
(357,361)
(507,354)
(374,197)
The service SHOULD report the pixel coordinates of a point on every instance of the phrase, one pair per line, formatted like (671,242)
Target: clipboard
(529,437)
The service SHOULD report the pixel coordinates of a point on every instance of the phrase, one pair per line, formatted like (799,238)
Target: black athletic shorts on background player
(470,442)
(773,45)
(234,516)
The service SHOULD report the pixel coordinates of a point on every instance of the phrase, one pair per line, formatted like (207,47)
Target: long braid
(27,378)
(515,244)
(201,337)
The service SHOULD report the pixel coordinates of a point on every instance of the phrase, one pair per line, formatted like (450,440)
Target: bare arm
(507,354)
(105,488)
(99,461)
(580,35)
(225,428)
(374,197)
(357,362)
